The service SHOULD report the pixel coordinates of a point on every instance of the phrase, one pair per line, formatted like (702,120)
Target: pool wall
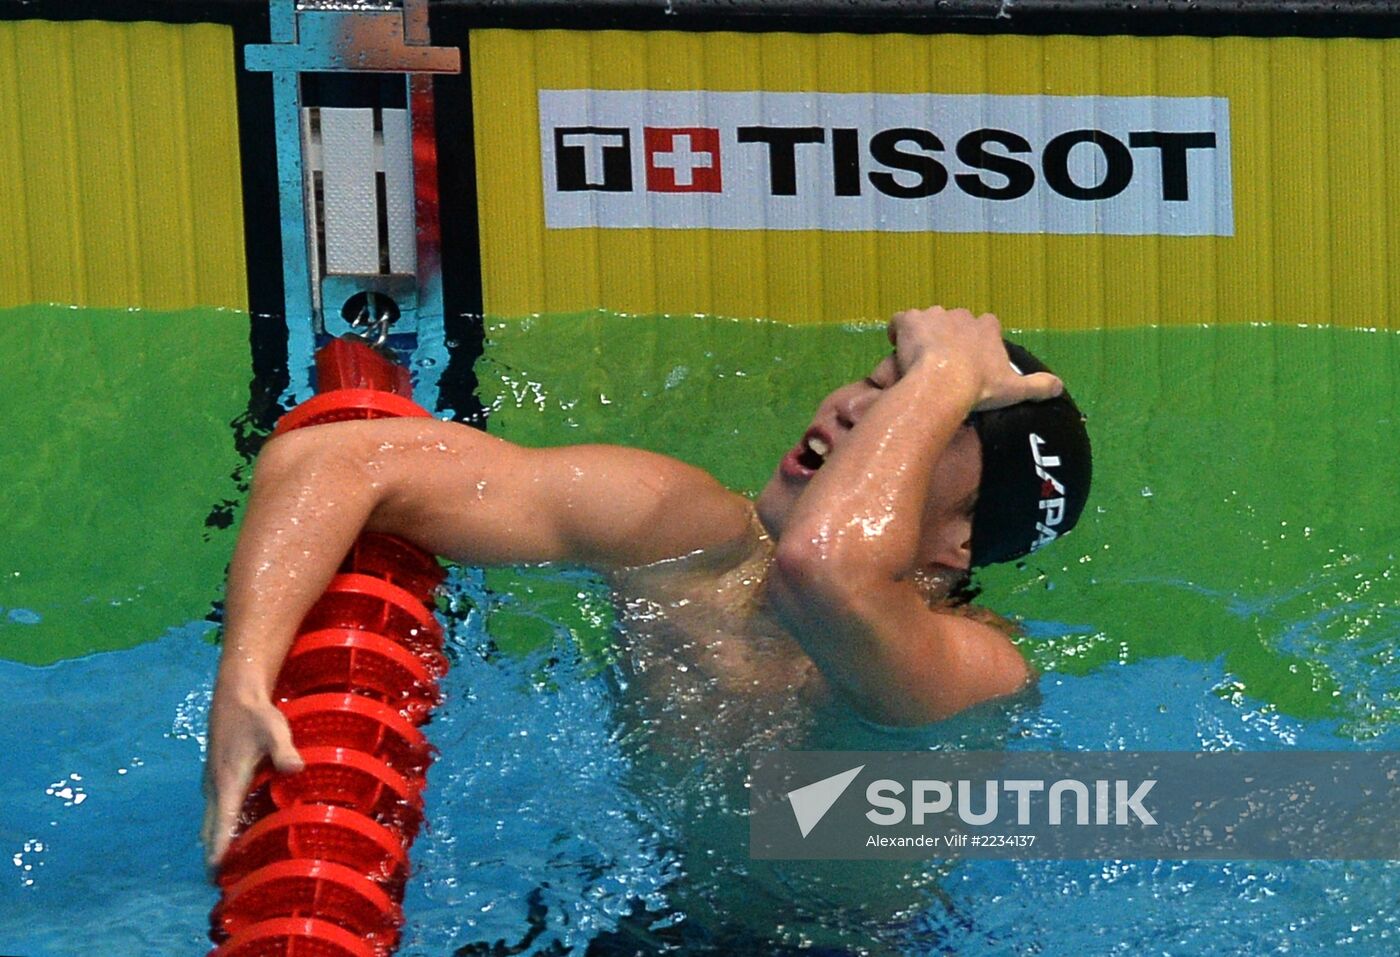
(1288,215)
(138,171)
(119,174)
(130,188)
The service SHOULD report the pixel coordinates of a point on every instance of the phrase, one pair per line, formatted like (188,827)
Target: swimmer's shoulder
(743,549)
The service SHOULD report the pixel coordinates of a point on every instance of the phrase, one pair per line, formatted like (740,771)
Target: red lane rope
(319,864)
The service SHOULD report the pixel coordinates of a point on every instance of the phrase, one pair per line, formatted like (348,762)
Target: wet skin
(872,504)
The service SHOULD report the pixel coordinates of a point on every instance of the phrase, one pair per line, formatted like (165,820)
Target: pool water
(1231,587)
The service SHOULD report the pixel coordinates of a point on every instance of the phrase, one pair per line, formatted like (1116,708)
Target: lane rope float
(320,860)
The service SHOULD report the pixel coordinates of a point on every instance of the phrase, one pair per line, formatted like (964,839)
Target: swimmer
(837,578)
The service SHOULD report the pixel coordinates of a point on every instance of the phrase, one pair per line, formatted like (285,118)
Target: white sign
(1126,165)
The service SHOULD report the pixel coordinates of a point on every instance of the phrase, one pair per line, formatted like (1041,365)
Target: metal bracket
(351,37)
(355,36)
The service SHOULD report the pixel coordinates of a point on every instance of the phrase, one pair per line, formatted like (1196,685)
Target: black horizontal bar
(128,11)
(903,9)
(1264,18)
(1309,18)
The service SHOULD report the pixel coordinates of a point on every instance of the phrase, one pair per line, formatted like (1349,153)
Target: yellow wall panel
(1390,144)
(1314,237)
(103,163)
(1245,281)
(629,65)
(1298,173)
(14,239)
(211,152)
(165,215)
(503,132)
(44,125)
(120,164)
(1356,176)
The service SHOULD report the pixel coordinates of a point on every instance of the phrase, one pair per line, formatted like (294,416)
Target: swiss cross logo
(682,160)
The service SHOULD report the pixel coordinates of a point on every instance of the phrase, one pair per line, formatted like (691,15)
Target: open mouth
(809,455)
(814,452)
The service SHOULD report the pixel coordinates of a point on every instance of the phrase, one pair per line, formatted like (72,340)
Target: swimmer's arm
(844,567)
(480,500)
(457,492)
(452,490)
(842,582)
(895,661)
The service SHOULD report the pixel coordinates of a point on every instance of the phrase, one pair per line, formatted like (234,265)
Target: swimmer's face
(952,485)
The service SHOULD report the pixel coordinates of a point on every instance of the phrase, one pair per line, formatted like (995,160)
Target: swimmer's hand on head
(891,503)
(895,501)
(971,346)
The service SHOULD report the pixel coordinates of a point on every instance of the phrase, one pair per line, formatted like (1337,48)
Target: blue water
(533,830)
(541,834)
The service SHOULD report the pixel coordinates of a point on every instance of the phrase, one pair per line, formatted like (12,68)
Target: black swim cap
(1036,466)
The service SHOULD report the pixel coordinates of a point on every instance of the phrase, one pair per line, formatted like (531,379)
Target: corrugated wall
(119,166)
(1312,121)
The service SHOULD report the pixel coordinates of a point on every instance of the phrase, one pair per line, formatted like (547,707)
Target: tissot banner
(1126,165)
